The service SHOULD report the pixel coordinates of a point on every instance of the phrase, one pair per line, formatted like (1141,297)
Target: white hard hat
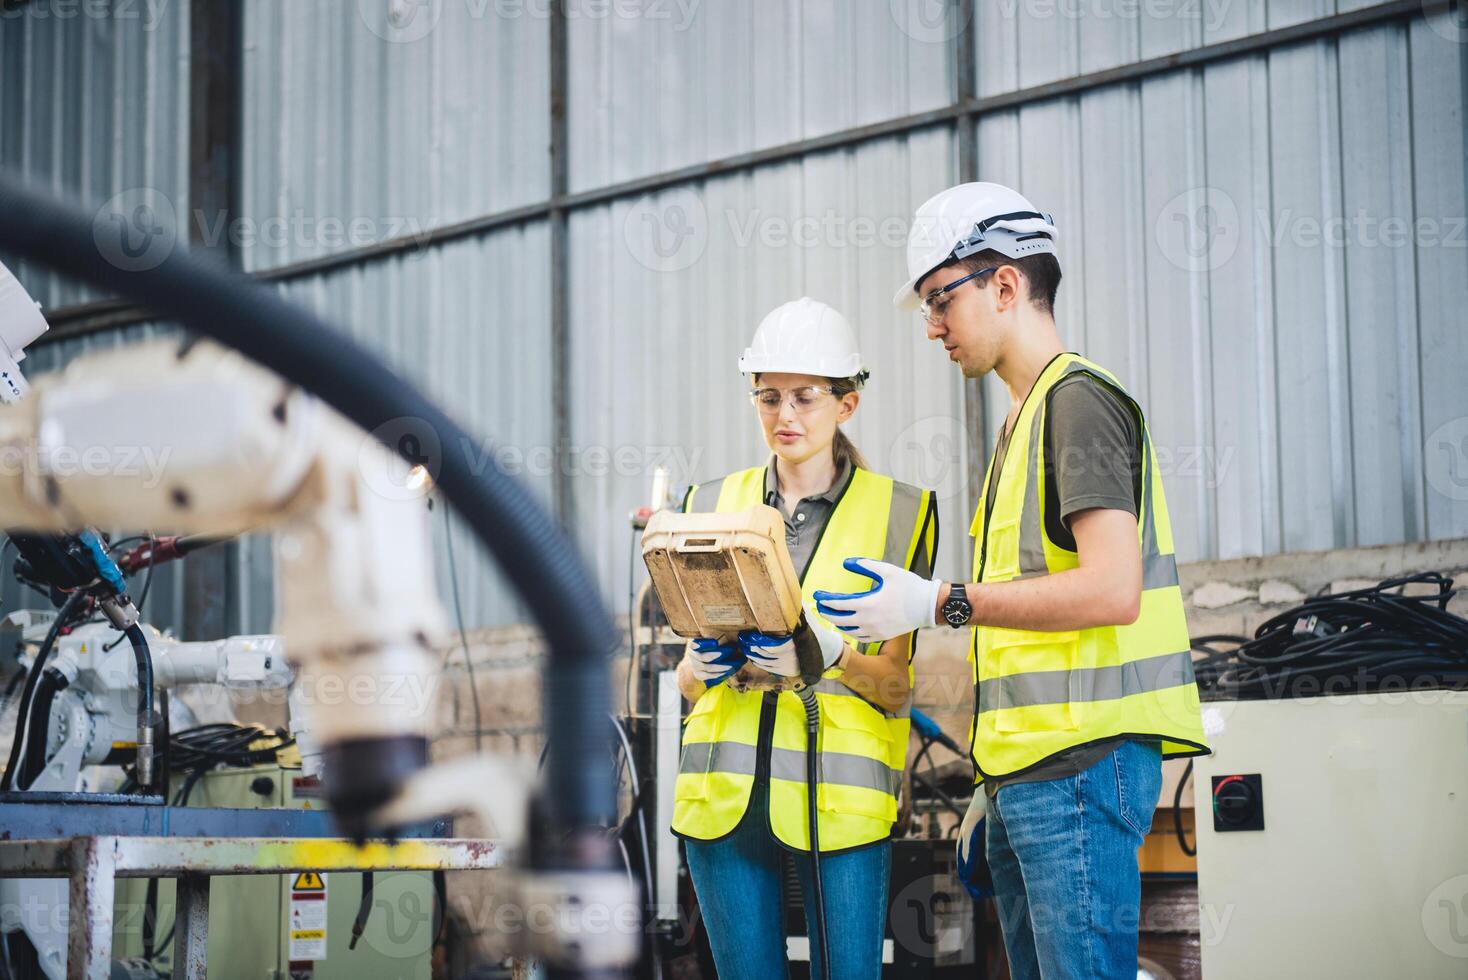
(804,336)
(970,218)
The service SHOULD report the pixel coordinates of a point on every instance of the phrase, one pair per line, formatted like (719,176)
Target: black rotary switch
(1238,802)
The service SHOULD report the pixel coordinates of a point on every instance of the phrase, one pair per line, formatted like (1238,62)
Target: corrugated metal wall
(1269,250)
(94,104)
(351,138)
(359,129)
(468,322)
(656,85)
(667,290)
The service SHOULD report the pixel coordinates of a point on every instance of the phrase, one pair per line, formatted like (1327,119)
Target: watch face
(957,612)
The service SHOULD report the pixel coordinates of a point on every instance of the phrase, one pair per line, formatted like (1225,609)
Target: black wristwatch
(957,610)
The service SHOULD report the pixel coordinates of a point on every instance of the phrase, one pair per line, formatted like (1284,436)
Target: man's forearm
(1079,598)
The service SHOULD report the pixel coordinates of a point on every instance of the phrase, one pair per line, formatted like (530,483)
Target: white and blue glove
(899,603)
(712,661)
(971,869)
(776,654)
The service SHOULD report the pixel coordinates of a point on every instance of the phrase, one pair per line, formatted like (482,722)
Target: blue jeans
(739,883)
(1063,854)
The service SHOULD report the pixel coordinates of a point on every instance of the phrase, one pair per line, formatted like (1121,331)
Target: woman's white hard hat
(804,336)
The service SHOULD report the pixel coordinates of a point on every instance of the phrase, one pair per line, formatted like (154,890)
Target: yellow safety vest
(731,736)
(1038,693)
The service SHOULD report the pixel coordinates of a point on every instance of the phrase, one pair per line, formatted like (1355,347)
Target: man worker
(1082,670)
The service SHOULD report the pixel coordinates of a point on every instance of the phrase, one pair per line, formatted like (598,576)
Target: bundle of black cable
(1379,639)
(196,751)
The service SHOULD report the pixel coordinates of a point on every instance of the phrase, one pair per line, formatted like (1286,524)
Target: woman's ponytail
(842,448)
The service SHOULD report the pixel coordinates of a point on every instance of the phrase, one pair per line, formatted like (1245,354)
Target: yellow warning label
(308,881)
(308,933)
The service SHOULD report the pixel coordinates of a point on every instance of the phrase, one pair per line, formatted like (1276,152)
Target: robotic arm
(296,475)
(92,711)
(21,323)
(233,447)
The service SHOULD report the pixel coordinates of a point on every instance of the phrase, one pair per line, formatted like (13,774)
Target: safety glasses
(934,305)
(805,398)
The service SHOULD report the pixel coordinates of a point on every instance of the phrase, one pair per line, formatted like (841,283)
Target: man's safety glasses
(935,304)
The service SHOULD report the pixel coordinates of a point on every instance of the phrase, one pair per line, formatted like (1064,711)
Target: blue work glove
(713,661)
(777,655)
(899,603)
(973,870)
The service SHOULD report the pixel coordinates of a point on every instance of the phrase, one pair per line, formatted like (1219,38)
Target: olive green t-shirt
(1093,458)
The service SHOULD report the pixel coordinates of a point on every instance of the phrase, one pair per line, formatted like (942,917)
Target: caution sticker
(307,925)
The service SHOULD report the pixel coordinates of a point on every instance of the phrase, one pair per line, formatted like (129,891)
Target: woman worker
(740,801)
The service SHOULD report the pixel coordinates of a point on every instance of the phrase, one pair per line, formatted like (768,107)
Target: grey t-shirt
(1093,458)
(805,525)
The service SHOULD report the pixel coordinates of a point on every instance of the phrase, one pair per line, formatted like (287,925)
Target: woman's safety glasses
(805,398)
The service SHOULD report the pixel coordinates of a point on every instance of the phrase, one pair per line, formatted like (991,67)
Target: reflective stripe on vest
(863,749)
(1041,693)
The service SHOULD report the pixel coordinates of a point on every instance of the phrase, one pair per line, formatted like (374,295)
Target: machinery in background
(21,322)
(81,727)
(653,721)
(250,447)
(395,940)
(1332,816)
(1333,837)
(89,721)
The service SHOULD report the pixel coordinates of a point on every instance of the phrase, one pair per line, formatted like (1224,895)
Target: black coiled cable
(68,610)
(1344,642)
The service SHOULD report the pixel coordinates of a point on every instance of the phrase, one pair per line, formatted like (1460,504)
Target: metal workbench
(94,861)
